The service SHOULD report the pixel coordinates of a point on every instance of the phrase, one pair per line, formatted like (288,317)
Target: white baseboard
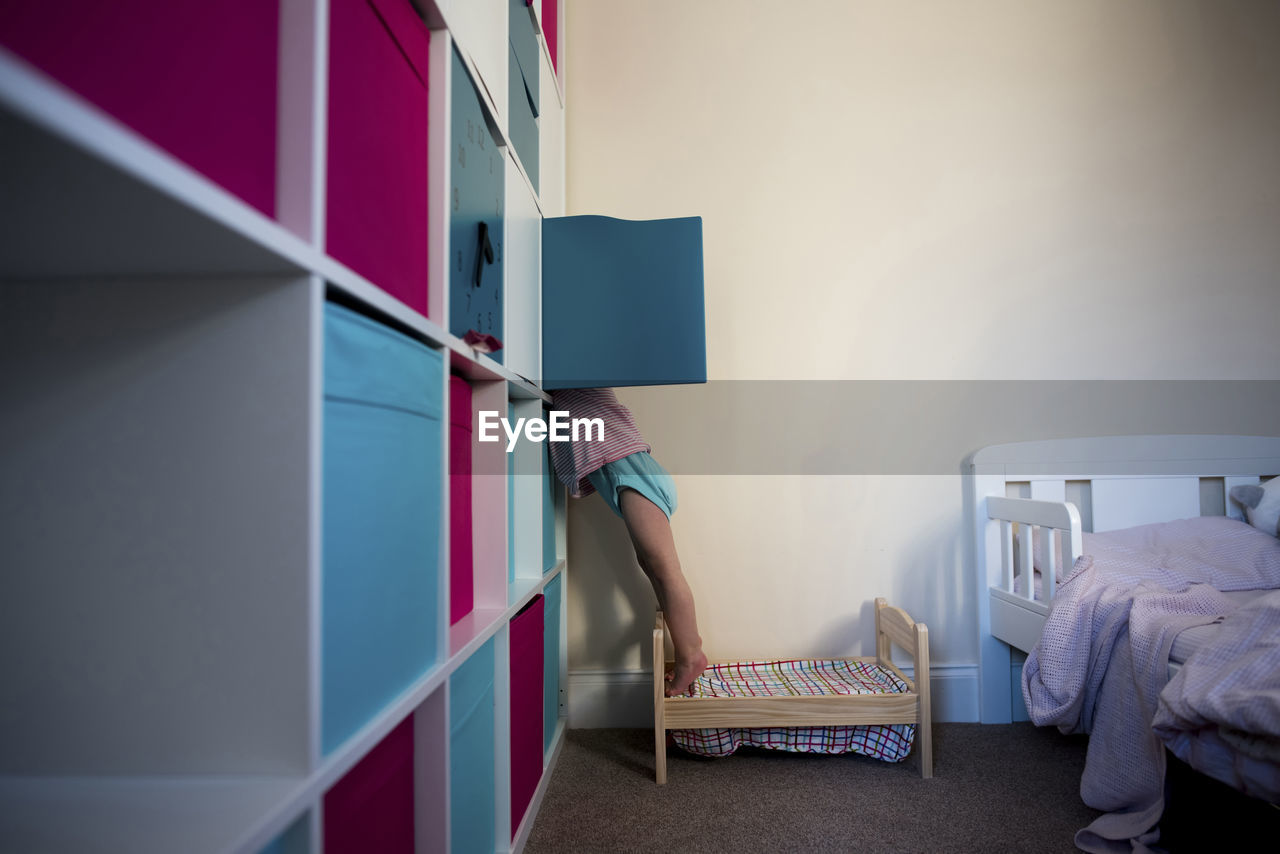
(610,698)
(624,698)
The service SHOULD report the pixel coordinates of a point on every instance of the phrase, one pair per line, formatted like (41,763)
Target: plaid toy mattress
(807,677)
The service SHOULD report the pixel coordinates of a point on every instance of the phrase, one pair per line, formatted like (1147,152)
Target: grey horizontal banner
(924,427)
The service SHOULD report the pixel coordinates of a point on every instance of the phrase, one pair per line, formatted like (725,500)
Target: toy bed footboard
(893,626)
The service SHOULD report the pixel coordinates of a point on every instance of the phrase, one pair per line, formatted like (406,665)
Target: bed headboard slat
(1126,502)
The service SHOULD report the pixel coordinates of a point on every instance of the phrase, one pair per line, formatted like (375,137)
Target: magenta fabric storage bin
(371,807)
(198,79)
(461,556)
(550,27)
(526,708)
(377,196)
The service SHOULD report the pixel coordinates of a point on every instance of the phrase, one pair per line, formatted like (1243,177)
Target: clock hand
(484,253)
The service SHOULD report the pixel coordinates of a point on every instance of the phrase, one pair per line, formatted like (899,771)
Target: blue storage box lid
(370,362)
(622,302)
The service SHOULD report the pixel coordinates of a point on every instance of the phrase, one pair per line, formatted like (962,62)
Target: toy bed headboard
(1112,482)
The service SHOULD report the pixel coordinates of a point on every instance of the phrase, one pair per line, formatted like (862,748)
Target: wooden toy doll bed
(869,693)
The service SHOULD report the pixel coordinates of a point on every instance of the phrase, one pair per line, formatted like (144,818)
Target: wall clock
(476,203)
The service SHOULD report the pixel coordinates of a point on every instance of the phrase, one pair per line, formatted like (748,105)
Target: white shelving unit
(162,351)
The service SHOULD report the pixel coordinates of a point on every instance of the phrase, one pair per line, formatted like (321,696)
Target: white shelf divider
(132,208)
(489,502)
(523,271)
(431,772)
(528,485)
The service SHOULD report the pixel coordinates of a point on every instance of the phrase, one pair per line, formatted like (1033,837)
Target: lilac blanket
(1102,659)
(1228,691)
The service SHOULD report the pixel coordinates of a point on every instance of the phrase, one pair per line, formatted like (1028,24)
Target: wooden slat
(882,643)
(823,710)
(898,626)
(924,720)
(1049,539)
(659,704)
(1026,571)
(1006,554)
(1053,514)
(1129,501)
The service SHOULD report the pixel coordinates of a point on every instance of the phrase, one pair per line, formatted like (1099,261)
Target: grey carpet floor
(1008,788)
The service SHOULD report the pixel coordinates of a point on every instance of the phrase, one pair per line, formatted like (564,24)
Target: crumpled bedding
(800,677)
(1102,659)
(1228,690)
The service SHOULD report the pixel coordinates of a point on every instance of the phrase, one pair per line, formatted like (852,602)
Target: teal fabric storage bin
(622,302)
(523,75)
(383,486)
(472,781)
(551,659)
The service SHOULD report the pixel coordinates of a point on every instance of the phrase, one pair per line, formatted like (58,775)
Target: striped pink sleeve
(606,431)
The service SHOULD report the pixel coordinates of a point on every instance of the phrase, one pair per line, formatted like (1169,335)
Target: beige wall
(910,190)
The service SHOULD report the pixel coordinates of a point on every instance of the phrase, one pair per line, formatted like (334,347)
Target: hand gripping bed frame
(893,626)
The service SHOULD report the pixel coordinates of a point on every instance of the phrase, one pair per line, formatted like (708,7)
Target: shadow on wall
(933,585)
(611,600)
(930,582)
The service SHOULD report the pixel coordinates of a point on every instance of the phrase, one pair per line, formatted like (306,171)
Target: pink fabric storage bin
(550,27)
(461,556)
(377,196)
(198,79)
(371,807)
(526,707)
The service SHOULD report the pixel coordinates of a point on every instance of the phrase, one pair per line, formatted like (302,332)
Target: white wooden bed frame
(1065,487)
(893,626)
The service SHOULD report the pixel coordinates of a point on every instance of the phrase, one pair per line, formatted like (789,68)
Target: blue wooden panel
(522,123)
(622,302)
(523,75)
(382,485)
(523,36)
(472,783)
(551,660)
(477,196)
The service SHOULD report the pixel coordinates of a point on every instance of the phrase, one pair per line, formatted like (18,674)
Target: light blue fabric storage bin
(383,477)
(472,783)
(551,659)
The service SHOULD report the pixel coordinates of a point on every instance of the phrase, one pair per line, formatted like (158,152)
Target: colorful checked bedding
(805,677)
